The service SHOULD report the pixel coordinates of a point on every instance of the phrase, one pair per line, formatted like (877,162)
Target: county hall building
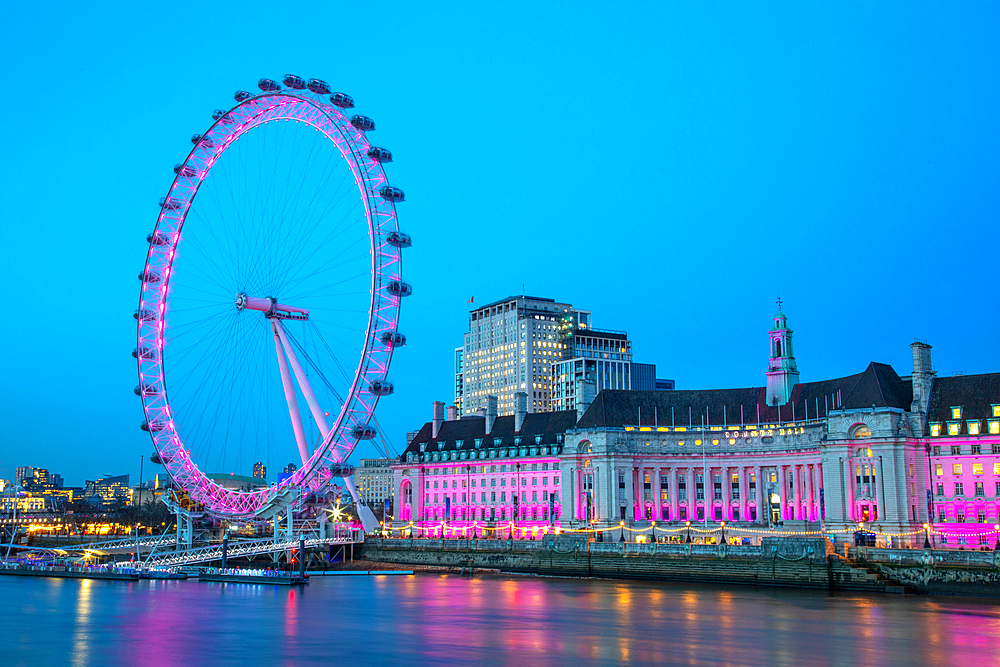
(875,450)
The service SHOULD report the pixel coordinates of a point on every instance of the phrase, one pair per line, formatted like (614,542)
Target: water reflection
(504,621)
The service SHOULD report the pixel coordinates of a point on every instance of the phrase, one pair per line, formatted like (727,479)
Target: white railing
(244,548)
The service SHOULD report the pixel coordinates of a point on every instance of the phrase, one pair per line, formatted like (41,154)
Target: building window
(956,468)
(995,427)
(996,468)
(940,489)
(977,449)
(980,492)
(972,427)
(977,468)
(954,428)
(996,409)
(956,412)
(959,489)
(861,432)
(960,515)
(942,516)
(935,429)
(938,469)
(956,450)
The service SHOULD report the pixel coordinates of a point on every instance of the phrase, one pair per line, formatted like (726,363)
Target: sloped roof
(974,393)
(878,385)
(545,424)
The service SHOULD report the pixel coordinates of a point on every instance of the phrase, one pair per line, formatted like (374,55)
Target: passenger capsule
(399,239)
(381,388)
(157,238)
(221,116)
(152,426)
(157,459)
(399,288)
(169,203)
(360,432)
(380,154)
(319,86)
(292,81)
(268,86)
(146,390)
(342,100)
(149,277)
(185,171)
(144,353)
(363,123)
(393,338)
(146,315)
(242,96)
(198,139)
(390,193)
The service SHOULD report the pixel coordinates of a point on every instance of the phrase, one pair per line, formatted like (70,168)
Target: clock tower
(782,373)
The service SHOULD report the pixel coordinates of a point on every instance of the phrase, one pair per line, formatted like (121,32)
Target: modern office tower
(548,350)
(23,473)
(260,470)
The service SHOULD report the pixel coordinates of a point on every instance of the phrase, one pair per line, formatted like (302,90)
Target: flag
(470,299)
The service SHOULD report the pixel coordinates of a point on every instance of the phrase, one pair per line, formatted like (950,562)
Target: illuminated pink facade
(872,451)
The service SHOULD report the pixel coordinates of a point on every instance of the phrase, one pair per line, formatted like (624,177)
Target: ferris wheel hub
(270,307)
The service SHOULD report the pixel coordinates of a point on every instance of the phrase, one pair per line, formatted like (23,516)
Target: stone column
(655,492)
(689,475)
(883,514)
(672,490)
(817,485)
(797,490)
(759,495)
(849,483)
(636,490)
(810,493)
(783,491)
(726,495)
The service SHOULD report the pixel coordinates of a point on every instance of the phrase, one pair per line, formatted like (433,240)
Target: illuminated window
(861,432)
(732,441)
(973,427)
(697,442)
(996,468)
(956,468)
(977,468)
(996,410)
(680,443)
(995,427)
(956,412)
(938,469)
(954,428)
(935,429)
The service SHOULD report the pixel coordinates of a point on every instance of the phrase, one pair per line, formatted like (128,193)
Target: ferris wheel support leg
(293,402)
(300,375)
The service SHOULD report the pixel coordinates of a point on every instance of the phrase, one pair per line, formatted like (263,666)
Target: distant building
(260,470)
(108,491)
(23,473)
(665,385)
(548,350)
(290,468)
(236,482)
(374,480)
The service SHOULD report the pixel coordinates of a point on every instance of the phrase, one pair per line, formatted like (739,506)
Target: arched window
(777,348)
(861,431)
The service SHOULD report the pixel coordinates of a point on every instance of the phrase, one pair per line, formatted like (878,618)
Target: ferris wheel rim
(383,305)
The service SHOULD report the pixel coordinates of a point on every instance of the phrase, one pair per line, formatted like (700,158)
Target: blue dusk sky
(673,167)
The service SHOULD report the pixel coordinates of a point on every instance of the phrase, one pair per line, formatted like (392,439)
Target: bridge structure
(247,549)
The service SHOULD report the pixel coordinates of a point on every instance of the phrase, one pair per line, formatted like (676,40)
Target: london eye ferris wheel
(269,305)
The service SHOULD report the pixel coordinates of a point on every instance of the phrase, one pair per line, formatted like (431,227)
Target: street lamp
(723,532)
(688,524)
(927,536)
(996,527)
(622,539)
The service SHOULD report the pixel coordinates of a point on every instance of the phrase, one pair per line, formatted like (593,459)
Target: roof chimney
(438,418)
(922,381)
(491,412)
(520,410)
(452,413)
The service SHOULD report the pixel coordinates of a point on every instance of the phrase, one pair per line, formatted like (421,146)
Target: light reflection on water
(432,619)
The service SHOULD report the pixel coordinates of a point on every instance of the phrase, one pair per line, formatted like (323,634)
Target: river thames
(446,619)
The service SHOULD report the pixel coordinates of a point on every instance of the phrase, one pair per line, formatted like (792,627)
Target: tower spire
(782,372)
